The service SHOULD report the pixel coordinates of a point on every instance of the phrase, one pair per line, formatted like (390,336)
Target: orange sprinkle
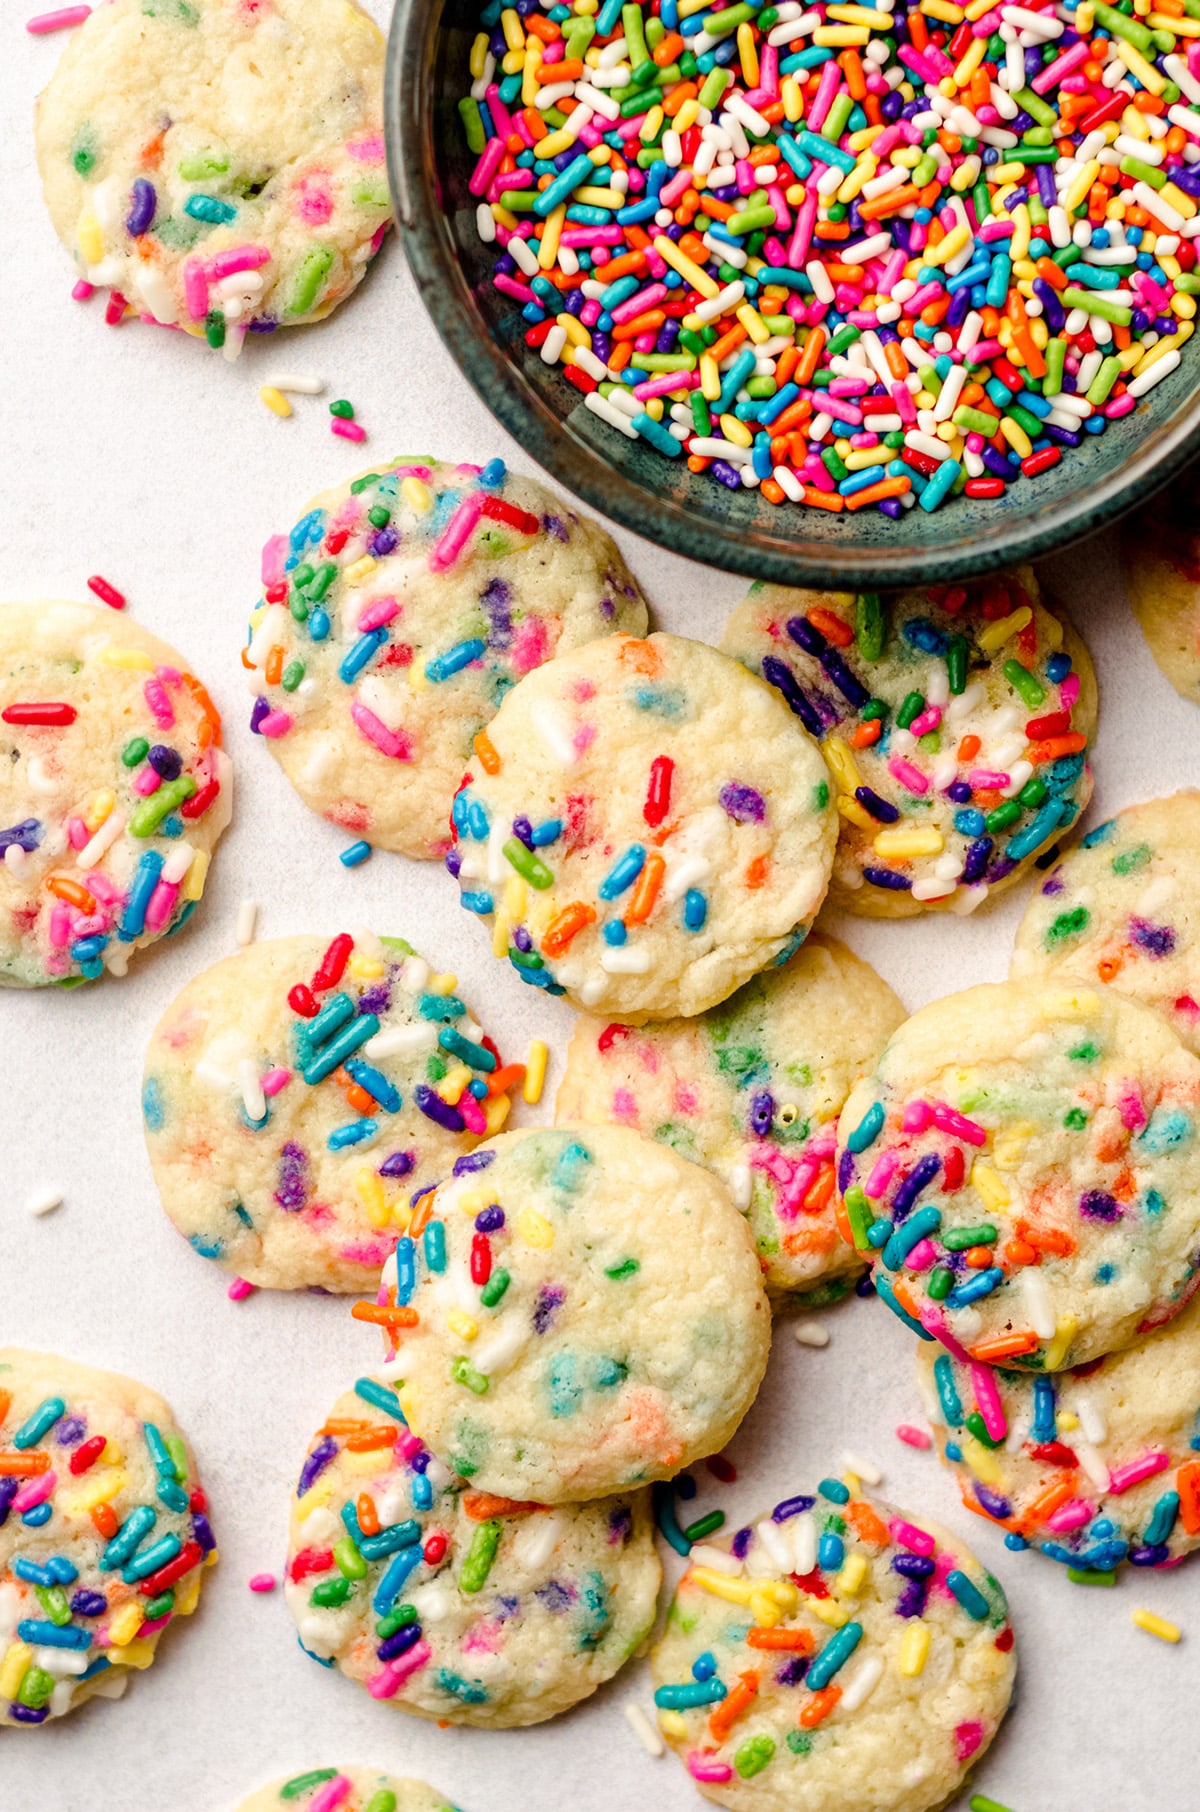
(887,487)
(371,1440)
(866,733)
(485,748)
(71,892)
(646,891)
(273,672)
(23,1465)
(968,748)
(104,1521)
(810,358)
(422,1214)
(823,500)
(758,873)
(793,1642)
(819,1707)
(641,655)
(1048,1501)
(368,1516)
(385,1317)
(566,925)
(978,1257)
(1004,1346)
(866,1524)
(817,1196)
(833,627)
(509,1075)
(1187,1483)
(480,1506)
(734,1705)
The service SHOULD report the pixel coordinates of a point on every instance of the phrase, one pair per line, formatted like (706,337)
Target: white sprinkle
(44,1201)
(863,1469)
(862,1683)
(811,1333)
(534,1544)
(1042,1318)
(402,1041)
(619,959)
(719,1559)
(1155,373)
(643,1730)
(297,384)
(804,1543)
(774,1539)
(247,922)
(1090,1418)
(253,1099)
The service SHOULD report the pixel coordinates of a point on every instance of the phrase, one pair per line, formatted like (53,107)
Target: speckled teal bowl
(429,166)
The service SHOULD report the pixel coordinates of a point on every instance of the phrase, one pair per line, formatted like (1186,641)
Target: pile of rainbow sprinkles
(852,255)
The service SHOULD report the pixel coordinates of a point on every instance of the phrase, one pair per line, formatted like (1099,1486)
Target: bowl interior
(627,480)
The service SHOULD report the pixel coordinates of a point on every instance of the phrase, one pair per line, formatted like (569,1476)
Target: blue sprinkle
(444,666)
(354,854)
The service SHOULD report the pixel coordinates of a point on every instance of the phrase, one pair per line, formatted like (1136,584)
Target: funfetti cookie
(1092,1467)
(1024,1165)
(300,1096)
(955,721)
(113,791)
(104,1533)
(447,1602)
(645,827)
(752,1089)
(218,167)
(395,616)
(1160,558)
(834,1656)
(577,1311)
(1123,908)
(346,1790)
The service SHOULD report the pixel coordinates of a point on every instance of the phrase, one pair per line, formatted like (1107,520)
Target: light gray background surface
(139,455)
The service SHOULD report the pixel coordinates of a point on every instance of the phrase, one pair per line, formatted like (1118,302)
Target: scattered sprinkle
(1157,1626)
(347,430)
(44,1201)
(275,400)
(913,1437)
(811,1333)
(343,409)
(535,1070)
(239,1289)
(296,383)
(262,1582)
(61,20)
(355,854)
(980,1802)
(644,1730)
(862,1469)
(247,922)
(108,594)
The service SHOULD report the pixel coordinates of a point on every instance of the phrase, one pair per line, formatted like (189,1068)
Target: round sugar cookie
(346,1790)
(299,1096)
(447,1602)
(1123,907)
(955,723)
(1024,1165)
(583,1312)
(752,1089)
(113,791)
(395,616)
(1161,564)
(218,167)
(1095,1466)
(646,828)
(104,1533)
(834,1656)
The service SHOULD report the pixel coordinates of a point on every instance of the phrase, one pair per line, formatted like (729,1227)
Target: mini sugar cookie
(752,1089)
(113,791)
(300,1096)
(955,723)
(104,1533)
(395,616)
(646,827)
(447,1602)
(1094,1466)
(1025,1166)
(346,1790)
(835,1656)
(1123,907)
(581,1312)
(218,168)
(1161,563)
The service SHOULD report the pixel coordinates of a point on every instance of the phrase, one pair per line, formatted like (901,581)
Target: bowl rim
(496,379)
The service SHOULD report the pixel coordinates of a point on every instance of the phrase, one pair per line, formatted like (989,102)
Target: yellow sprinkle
(859,458)
(275,400)
(1067,1419)
(994,635)
(955,239)
(854,813)
(1058,1348)
(988,1186)
(197,874)
(1011,1143)
(765,1611)
(850,1579)
(555,143)
(371,1194)
(736,431)
(754,324)
(914,1644)
(982,1462)
(12,1670)
(90,239)
(945,10)
(360,572)
(747,53)
(478,59)
(827,1611)
(501,928)
(187,1592)
(710,377)
(734,1591)
(1082,183)
(551,234)
(1020,443)
(835,36)
(901,844)
(99,1490)
(1064,1003)
(135,1654)
(510,25)
(1157,1626)
(125,1625)
(689,113)
(111,1452)
(462,1325)
(364,968)
(416,494)
(1137,66)
(673,1725)
(1085,18)
(970,62)
(126,657)
(862,15)
(474,1201)
(1183,204)
(442,984)
(688,269)
(845,770)
(534,1228)
(455,1082)
(649,130)
(99,809)
(535,1070)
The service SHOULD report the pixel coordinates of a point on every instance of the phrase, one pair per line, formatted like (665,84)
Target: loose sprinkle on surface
(811,1333)
(1157,1626)
(644,1730)
(44,1201)
(247,922)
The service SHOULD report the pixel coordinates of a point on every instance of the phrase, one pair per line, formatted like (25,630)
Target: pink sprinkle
(262,1582)
(703,1767)
(377,614)
(195,288)
(471,1112)
(1130,1108)
(146,781)
(276,723)
(59,21)
(957,1125)
(458,532)
(907,1535)
(333,1794)
(347,430)
(967,1739)
(160,705)
(389,742)
(902,770)
(929,719)
(239,1289)
(913,1437)
(923,1255)
(388,1681)
(881,1175)
(77,833)
(935,1323)
(1071,1515)
(987,1400)
(237,258)
(916,1117)
(161,905)
(1120,1478)
(408,1445)
(367,150)
(1068,692)
(82,291)
(274,1080)
(35,1492)
(987,779)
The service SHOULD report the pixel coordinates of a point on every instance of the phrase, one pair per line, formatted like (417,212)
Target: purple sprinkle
(992,1502)
(496,598)
(793,1671)
(845,1171)
(523,831)
(434,1108)
(385,542)
(912,1566)
(400,1643)
(376,1000)
(762,1112)
(555,1597)
(522,940)
(1155,940)
(554,525)
(24,1714)
(453,862)
(8,1490)
(70,1431)
(261,709)
(1157,1556)
(202,1531)
(142,204)
(550,1298)
(739,1547)
(791,1506)
(1054,884)
(399,1164)
(911,1602)
(320,1457)
(291,1191)
(887,877)
(88,1604)
(472,1161)
(620,1525)
(167,763)
(907,1191)
(744,804)
(1098,1205)
(490,1220)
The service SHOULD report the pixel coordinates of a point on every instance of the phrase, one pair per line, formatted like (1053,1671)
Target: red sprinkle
(1004,1641)
(721,1468)
(333,964)
(201,799)
(189,1556)
(521,520)
(88,1454)
(481,1258)
(108,594)
(984,487)
(434,1550)
(610,1035)
(658,793)
(311,1560)
(1055,723)
(57,715)
(1041,462)
(952,1168)
(300,1000)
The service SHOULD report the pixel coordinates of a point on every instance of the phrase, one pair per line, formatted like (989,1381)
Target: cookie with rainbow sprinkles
(578,1311)
(752,1089)
(446,1601)
(835,1655)
(1024,1168)
(1092,1467)
(346,1790)
(301,1096)
(396,615)
(104,1533)
(956,722)
(218,168)
(115,792)
(1123,908)
(644,825)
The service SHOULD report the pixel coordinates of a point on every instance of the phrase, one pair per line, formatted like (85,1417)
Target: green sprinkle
(528,864)
(468,112)
(463,1372)
(1083,1576)
(912,707)
(870,625)
(941,1282)
(304,1783)
(383,1801)
(150,814)
(1130,860)
(331,1592)
(1025,683)
(161,1606)
(480,1555)
(1104,380)
(958,1239)
(312,273)
(35,1688)
(135,751)
(799,1742)
(704,1525)
(1093,303)
(1032,793)
(859,1215)
(53,1601)
(350,1562)
(84,151)
(293,673)
(395,1620)
(752,1756)
(1075,1119)
(361,484)
(1003,816)
(1067,924)
(493,1290)
(342,408)
(214,328)
(957,655)
(979,1428)
(203,166)
(1084,1053)
(626,1268)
